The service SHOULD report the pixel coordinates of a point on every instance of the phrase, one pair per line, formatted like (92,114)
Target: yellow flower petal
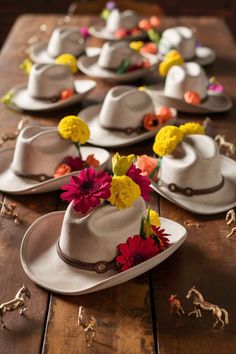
(136,45)
(170,59)
(166,140)
(192,128)
(121,164)
(74,128)
(124,192)
(154,218)
(69,60)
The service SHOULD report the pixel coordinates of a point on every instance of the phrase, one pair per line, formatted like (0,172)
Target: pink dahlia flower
(87,189)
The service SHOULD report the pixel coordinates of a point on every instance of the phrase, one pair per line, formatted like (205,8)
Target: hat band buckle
(98,267)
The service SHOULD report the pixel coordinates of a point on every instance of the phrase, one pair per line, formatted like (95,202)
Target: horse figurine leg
(195,311)
(22,310)
(2,322)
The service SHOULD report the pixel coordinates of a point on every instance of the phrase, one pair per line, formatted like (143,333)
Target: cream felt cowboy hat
(63,40)
(29,167)
(45,84)
(190,77)
(119,120)
(72,254)
(197,178)
(183,39)
(112,55)
(127,20)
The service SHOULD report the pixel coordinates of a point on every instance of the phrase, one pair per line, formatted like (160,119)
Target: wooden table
(132,317)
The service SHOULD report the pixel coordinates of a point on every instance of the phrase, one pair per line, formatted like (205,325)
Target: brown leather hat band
(188,191)
(98,267)
(128,130)
(39,178)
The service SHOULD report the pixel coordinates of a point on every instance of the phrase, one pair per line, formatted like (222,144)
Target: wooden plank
(207,258)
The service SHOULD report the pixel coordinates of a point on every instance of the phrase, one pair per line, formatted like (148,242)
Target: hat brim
(203,56)
(214,103)
(42,264)
(38,53)
(23,101)
(101,33)
(89,66)
(13,184)
(107,138)
(207,204)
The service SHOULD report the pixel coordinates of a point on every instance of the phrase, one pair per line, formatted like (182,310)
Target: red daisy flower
(76,164)
(87,189)
(135,250)
(143,181)
(160,237)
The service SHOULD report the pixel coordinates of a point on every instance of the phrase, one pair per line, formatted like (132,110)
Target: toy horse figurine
(175,305)
(200,303)
(19,302)
(88,324)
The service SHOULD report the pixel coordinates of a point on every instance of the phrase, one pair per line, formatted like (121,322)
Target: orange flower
(62,170)
(91,161)
(147,164)
(192,97)
(150,48)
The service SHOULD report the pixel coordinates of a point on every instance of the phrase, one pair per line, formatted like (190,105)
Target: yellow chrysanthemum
(136,45)
(152,219)
(124,192)
(172,58)
(166,140)
(68,59)
(192,128)
(121,164)
(26,66)
(74,128)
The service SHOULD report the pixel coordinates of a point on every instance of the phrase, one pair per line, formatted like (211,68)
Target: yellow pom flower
(136,45)
(68,59)
(121,164)
(166,140)
(170,59)
(124,192)
(26,66)
(192,128)
(74,128)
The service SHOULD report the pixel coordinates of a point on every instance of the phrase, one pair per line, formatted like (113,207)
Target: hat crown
(66,40)
(180,38)
(125,107)
(127,19)
(39,150)
(195,164)
(48,80)
(95,236)
(112,55)
(187,77)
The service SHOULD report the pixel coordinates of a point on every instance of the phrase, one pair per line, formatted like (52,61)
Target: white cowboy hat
(190,77)
(197,178)
(46,82)
(63,40)
(127,19)
(183,39)
(29,168)
(118,121)
(104,65)
(71,254)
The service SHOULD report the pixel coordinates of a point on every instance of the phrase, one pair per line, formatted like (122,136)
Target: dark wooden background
(11,9)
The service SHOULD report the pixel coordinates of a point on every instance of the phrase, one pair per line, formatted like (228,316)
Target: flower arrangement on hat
(166,141)
(173,57)
(90,189)
(75,129)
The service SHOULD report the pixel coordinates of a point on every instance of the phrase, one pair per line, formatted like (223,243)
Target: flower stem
(77,145)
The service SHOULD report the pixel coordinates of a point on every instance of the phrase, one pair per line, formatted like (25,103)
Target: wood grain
(133,317)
